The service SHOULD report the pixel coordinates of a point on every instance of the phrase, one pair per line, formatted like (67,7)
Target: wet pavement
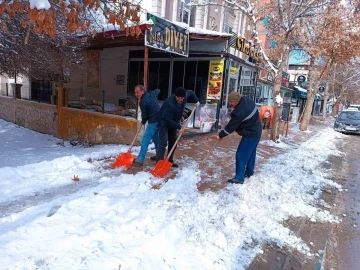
(343,245)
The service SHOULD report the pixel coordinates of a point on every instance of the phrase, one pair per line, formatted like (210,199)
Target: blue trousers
(151,133)
(245,157)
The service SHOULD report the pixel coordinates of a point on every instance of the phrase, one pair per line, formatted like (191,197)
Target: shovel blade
(161,168)
(124,160)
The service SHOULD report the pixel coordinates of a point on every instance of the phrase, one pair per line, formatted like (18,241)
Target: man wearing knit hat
(245,121)
(169,120)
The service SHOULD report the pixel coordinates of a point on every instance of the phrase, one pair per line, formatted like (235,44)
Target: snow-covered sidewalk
(114,218)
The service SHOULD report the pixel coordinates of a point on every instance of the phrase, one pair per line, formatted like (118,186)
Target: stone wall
(95,127)
(39,117)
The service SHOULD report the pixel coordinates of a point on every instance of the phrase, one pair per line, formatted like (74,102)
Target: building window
(192,16)
(185,11)
(227,28)
(169,9)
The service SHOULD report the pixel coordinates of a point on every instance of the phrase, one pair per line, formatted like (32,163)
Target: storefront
(264,90)
(300,97)
(205,68)
(168,56)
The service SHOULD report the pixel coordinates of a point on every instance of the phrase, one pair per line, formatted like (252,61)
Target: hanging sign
(301,79)
(166,36)
(321,89)
(216,70)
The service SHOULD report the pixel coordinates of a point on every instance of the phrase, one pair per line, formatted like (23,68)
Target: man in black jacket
(150,107)
(169,120)
(246,122)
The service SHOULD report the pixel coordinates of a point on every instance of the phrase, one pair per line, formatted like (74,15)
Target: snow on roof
(111,27)
(199,31)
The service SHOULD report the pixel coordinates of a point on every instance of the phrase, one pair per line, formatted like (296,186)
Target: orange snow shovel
(163,166)
(126,159)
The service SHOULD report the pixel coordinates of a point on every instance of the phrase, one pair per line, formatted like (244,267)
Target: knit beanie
(234,97)
(180,92)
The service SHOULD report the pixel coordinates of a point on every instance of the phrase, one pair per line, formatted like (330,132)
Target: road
(336,246)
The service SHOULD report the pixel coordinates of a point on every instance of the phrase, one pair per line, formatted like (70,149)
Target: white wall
(25,89)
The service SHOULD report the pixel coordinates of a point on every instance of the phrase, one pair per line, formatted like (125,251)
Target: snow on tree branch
(39,16)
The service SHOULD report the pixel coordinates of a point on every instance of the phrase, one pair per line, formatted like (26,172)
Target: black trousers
(167,136)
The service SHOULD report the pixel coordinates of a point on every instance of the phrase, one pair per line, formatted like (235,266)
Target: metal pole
(146,66)
(103,101)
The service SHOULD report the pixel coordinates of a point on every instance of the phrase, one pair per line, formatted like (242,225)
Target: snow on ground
(119,220)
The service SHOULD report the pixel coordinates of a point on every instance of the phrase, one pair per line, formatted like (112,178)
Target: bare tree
(37,40)
(40,17)
(346,83)
(332,36)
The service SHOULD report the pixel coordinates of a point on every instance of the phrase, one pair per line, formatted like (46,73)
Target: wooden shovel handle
(181,132)
(137,133)
(210,151)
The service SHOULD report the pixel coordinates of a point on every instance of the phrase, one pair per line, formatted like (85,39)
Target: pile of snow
(122,221)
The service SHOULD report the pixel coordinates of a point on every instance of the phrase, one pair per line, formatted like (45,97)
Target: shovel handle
(210,151)
(181,132)
(137,133)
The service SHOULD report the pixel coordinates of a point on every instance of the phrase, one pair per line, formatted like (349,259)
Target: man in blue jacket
(149,107)
(169,120)
(246,122)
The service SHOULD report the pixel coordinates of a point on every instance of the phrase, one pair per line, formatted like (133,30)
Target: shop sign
(166,36)
(216,69)
(233,71)
(285,79)
(243,46)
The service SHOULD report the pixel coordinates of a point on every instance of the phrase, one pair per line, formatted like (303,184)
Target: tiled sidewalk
(220,165)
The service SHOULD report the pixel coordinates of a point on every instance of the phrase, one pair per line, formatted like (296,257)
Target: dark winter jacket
(149,106)
(171,112)
(249,128)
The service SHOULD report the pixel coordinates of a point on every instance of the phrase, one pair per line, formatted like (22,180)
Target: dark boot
(138,163)
(235,181)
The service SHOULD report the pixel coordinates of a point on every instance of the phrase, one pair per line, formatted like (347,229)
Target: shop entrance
(232,83)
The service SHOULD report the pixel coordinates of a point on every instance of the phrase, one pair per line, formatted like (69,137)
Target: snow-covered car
(348,121)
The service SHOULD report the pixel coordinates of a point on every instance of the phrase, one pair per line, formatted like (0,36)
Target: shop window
(192,75)
(178,75)
(159,77)
(202,77)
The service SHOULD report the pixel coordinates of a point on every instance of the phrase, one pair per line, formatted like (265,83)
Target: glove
(197,104)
